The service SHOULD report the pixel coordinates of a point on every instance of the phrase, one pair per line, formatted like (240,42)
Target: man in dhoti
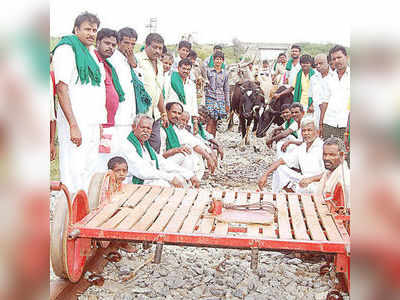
(181,146)
(145,165)
(80,87)
(307,157)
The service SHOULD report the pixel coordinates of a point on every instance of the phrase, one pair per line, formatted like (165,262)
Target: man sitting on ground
(286,132)
(182,147)
(336,178)
(308,156)
(184,124)
(146,166)
(296,109)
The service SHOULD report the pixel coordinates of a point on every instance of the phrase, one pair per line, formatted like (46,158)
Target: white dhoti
(193,162)
(284,176)
(290,148)
(74,162)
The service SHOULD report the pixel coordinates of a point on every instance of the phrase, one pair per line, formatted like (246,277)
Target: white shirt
(145,168)
(291,75)
(126,109)
(88,101)
(184,137)
(310,162)
(337,113)
(190,96)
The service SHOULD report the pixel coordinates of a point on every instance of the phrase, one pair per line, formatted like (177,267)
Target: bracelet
(163,114)
(346,133)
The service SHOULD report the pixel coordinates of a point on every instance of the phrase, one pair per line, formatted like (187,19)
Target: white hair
(321,55)
(139,117)
(307,120)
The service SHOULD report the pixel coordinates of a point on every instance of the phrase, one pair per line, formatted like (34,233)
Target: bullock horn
(255,107)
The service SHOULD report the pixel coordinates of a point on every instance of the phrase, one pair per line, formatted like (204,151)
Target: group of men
(144,108)
(316,125)
(140,106)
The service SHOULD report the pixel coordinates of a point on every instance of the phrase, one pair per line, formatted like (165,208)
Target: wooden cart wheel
(76,251)
(68,256)
(58,235)
(94,190)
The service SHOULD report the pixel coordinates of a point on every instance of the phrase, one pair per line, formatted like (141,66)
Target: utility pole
(152,25)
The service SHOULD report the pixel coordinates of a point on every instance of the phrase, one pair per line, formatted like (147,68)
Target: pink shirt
(112,98)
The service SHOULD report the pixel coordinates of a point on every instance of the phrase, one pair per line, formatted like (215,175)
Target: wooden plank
(254,229)
(140,209)
(229,196)
(206,224)
(241,198)
(147,220)
(137,196)
(120,198)
(268,230)
(217,194)
(299,226)
(180,214)
(196,211)
(221,228)
(326,219)
(314,226)
(117,218)
(167,212)
(283,217)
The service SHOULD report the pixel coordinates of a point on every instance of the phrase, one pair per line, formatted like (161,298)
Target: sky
(213,21)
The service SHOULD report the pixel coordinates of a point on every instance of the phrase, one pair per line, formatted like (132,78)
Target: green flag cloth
(116,83)
(286,126)
(211,63)
(135,142)
(143,99)
(275,65)
(177,86)
(172,138)
(289,64)
(297,88)
(88,70)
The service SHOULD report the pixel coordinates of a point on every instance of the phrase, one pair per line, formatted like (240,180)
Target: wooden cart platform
(180,216)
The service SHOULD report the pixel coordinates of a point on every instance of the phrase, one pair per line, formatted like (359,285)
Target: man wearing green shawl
(286,132)
(209,61)
(293,65)
(146,166)
(179,88)
(136,98)
(81,92)
(182,147)
(301,85)
(106,42)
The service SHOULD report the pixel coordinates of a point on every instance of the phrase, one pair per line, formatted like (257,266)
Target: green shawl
(297,88)
(88,70)
(135,142)
(289,64)
(201,131)
(177,86)
(172,138)
(286,126)
(211,63)
(143,99)
(116,83)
